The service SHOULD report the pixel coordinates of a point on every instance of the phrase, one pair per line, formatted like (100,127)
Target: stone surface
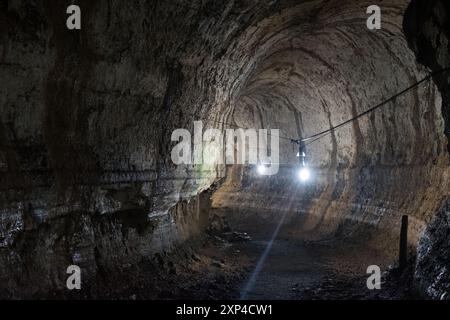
(427,27)
(433,259)
(86,119)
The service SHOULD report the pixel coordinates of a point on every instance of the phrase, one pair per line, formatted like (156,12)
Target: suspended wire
(313,138)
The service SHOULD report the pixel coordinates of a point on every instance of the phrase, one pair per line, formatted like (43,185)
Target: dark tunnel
(87,177)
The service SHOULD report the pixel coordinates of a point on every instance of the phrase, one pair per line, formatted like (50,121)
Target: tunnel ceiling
(322,67)
(86,117)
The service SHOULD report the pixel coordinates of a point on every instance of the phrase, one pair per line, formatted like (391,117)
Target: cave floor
(292,270)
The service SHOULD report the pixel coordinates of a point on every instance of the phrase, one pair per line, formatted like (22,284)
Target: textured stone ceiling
(323,70)
(86,117)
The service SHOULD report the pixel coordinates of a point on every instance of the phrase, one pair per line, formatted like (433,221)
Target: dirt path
(273,267)
(238,270)
(311,271)
(286,267)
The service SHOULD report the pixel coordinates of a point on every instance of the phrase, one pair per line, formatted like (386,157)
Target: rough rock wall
(86,119)
(116,252)
(427,27)
(432,274)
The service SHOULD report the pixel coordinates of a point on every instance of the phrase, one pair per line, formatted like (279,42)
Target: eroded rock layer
(87,116)
(427,27)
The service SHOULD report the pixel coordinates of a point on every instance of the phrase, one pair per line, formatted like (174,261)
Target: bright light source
(304,174)
(261,169)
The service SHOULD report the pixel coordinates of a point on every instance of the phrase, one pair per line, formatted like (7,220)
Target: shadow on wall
(427,28)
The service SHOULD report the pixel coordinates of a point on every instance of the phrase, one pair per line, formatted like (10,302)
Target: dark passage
(137,149)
